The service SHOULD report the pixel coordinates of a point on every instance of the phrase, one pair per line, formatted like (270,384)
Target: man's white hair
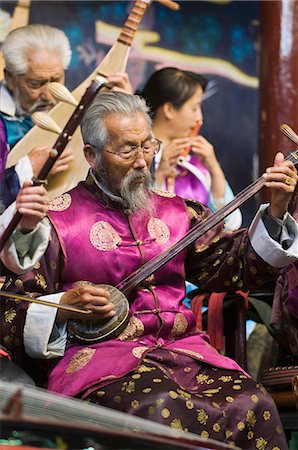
(21,41)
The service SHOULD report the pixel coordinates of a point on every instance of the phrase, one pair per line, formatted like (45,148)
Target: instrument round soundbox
(83,331)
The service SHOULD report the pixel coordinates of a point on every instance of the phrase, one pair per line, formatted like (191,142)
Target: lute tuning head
(44,121)
(61,93)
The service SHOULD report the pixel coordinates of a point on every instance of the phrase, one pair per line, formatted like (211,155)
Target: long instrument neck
(133,21)
(129,283)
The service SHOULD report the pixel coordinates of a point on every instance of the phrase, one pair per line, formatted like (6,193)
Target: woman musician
(175,97)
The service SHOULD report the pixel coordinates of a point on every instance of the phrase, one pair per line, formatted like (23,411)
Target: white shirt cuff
(22,251)
(38,328)
(24,170)
(267,248)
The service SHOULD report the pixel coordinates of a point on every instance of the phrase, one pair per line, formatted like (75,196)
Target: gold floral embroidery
(173,395)
(135,404)
(228,434)
(183,393)
(210,392)
(147,390)
(60,203)
(40,281)
(162,193)
(236,387)
(250,435)
(226,378)
(80,360)
(156,380)
(9,315)
(254,398)
(187,369)
(139,351)
(158,230)
(192,213)
(7,340)
(230,261)
(100,393)
(251,417)
(104,237)
(266,415)
(117,399)
(240,426)
(165,413)
(134,330)
(180,325)
(128,386)
(142,369)
(253,270)
(190,353)
(176,423)
(229,399)
(261,443)
(37,265)
(189,404)
(53,265)
(216,427)
(151,410)
(201,247)
(204,434)
(159,402)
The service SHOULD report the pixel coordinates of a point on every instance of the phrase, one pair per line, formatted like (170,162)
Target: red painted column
(278,72)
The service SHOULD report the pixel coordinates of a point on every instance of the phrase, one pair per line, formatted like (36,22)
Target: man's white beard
(138,198)
(39,105)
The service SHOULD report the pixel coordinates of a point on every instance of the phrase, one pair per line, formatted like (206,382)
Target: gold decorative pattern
(134,330)
(162,193)
(80,360)
(201,247)
(40,281)
(192,213)
(104,237)
(139,351)
(9,315)
(180,325)
(189,352)
(60,203)
(158,230)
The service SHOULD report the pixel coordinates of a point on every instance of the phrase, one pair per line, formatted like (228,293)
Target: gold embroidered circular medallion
(80,359)
(133,330)
(180,325)
(60,203)
(138,351)
(104,237)
(158,230)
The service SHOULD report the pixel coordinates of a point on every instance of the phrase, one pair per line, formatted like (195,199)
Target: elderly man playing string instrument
(34,56)
(104,230)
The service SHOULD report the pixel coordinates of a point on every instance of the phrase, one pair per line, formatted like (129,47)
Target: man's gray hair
(21,41)
(94,131)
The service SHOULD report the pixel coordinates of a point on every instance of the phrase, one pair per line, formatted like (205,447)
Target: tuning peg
(45,122)
(289,133)
(169,4)
(60,92)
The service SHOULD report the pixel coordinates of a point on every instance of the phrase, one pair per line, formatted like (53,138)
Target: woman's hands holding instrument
(168,162)
(89,297)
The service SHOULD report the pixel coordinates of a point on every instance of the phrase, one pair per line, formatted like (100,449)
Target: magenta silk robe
(95,241)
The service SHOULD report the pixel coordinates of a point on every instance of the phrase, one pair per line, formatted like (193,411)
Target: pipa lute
(114,61)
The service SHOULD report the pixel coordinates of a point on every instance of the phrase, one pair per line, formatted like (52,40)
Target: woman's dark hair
(171,85)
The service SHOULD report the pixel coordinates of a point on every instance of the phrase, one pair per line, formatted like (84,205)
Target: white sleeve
(39,324)
(24,170)
(269,249)
(22,251)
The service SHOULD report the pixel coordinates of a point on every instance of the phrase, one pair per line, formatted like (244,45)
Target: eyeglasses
(130,152)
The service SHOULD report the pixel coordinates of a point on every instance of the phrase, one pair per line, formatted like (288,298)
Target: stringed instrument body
(114,61)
